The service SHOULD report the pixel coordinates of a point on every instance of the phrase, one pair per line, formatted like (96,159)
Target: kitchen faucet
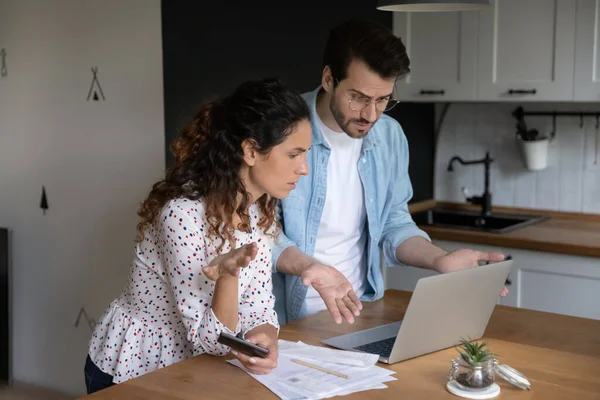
(485,200)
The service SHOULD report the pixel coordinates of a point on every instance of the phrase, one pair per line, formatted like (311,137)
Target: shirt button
(364,160)
(371,200)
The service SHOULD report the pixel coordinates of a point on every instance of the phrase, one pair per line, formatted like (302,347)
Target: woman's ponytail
(207,119)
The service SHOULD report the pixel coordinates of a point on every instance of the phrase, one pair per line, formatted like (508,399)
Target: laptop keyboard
(381,347)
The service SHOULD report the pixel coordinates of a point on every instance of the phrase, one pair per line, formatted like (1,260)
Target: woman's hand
(264,336)
(229,264)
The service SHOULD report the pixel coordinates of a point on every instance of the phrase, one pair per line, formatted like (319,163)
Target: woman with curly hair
(202,261)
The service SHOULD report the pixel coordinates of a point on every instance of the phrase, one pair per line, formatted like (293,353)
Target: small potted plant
(534,147)
(475,369)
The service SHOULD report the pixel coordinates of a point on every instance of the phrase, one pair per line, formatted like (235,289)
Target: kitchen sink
(470,220)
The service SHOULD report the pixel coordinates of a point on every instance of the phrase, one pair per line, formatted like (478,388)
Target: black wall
(211,47)
(418,123)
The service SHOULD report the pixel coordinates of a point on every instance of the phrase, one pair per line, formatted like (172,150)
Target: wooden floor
(20,391)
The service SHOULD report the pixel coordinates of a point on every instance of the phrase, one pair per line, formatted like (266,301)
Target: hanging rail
(520,114)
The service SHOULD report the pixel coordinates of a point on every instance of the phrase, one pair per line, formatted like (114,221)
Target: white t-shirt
(342,235)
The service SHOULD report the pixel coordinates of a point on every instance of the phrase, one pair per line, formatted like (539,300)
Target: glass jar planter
(473,377)
(479,380)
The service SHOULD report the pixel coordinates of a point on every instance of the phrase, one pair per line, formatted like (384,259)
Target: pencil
(329,371)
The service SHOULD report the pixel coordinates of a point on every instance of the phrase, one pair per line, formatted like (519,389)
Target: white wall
(97,161)
(571,181)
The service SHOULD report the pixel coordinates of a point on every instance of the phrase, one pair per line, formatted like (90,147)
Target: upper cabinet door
(587,51)
(527,50)
(443,54)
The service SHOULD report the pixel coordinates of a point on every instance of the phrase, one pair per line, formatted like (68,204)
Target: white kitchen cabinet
(521,51)
(587,51)
(527,50)
(551,282)
(442,49)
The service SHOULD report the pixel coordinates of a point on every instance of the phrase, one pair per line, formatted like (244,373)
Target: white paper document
(302,350)
(292,381)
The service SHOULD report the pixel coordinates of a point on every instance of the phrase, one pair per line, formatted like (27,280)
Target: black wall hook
(44,200)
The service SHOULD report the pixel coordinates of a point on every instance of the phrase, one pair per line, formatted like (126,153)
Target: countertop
(563,233)
(560,355)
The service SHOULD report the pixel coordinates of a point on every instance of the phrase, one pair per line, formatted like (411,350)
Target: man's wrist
(435,261)
(293,261)
(419,252)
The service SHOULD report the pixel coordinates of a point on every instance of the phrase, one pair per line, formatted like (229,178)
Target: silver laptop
(443,309)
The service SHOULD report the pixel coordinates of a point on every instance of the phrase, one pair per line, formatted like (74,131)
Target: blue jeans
(95,379)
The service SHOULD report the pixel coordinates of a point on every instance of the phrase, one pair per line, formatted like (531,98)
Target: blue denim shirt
(383,170)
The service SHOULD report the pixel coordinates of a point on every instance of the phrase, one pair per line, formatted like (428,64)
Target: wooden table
(559,354)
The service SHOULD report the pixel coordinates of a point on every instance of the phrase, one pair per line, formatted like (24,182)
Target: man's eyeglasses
(357,102)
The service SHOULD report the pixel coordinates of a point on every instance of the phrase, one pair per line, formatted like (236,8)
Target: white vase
(535,153)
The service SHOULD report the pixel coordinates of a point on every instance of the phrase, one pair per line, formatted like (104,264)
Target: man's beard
(340,118)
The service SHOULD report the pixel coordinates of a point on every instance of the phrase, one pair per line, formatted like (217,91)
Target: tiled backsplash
(571,182)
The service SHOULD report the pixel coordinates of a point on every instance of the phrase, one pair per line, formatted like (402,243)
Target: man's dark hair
(369,41)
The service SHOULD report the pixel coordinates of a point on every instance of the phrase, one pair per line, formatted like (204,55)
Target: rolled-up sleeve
(257,305)
(399,225)
(184,257)
(281,241)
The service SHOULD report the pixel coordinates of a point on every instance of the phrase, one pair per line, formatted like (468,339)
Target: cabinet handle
(522,91)
(427,92)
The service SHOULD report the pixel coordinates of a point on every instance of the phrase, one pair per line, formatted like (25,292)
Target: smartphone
(242,346)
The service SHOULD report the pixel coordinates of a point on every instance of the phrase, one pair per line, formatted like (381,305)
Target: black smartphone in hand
(238,344)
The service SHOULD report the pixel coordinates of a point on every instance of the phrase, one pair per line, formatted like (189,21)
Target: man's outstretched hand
(464,259)
(335,290)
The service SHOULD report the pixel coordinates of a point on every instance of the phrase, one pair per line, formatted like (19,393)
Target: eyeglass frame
(371,100)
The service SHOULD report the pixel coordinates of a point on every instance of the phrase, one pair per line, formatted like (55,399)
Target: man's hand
(334,289)
(464,259)
(264,336)
(331,284)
